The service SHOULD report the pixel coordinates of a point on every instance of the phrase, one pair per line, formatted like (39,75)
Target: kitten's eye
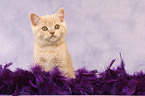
(57,26)
(44,28)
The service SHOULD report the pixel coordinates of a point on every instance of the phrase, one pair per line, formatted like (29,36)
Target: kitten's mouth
(52,36)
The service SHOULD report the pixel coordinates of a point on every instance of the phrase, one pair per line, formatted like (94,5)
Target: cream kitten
(50,48)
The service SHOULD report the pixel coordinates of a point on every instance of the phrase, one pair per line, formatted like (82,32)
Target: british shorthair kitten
(50,48)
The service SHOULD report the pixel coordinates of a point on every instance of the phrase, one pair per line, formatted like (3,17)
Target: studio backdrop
(97,31)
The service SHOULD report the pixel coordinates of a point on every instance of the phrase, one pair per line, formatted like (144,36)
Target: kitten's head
(49,29)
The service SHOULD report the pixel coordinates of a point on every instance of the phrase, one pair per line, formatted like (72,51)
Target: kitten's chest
(50,55)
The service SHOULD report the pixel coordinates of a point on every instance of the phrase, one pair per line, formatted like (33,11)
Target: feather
(37,82)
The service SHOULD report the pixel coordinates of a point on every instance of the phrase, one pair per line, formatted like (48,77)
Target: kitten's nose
(52,33)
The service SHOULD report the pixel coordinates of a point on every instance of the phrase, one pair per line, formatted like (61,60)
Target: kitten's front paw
(74,77)
(71,75)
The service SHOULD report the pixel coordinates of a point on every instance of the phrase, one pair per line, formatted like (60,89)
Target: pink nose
(52,33)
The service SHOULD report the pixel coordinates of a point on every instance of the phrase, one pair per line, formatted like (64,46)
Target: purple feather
(38,82)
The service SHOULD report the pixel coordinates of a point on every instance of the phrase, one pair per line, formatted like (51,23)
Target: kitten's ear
(60,14)
(35,19)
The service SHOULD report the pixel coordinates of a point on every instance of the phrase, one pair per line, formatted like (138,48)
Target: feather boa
(35,81)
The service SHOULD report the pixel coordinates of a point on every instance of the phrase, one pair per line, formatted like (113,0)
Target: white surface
(97,31)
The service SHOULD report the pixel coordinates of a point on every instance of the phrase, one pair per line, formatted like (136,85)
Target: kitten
(50,48)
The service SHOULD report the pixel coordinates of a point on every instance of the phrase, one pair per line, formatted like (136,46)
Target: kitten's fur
(51,50)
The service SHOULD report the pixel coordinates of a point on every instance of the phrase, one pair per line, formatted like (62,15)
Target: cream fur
(51,51)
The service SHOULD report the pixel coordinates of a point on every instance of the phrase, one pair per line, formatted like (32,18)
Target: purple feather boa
(111,81)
